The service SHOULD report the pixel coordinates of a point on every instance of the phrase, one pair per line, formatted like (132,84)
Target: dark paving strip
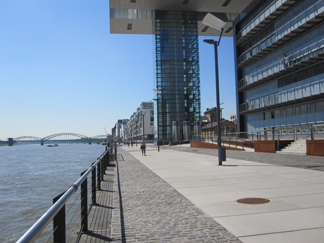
(299,161)
(153,211)
(99,218)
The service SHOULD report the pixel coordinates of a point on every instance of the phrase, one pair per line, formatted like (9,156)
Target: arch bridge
(59,137)
(27,138)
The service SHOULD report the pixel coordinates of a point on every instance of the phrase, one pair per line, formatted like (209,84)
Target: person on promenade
(143,147)
(132,143)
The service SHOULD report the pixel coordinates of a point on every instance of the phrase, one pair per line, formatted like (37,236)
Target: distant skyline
(62,71)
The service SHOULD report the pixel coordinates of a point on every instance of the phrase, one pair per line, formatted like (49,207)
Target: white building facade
(141,123)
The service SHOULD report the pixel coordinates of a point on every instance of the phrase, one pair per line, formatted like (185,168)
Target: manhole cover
(253,200)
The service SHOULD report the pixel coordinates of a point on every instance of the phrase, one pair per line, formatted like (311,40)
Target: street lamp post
(211,21)
(157,111)
(143,122)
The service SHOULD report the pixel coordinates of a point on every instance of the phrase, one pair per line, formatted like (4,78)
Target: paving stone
(147,209)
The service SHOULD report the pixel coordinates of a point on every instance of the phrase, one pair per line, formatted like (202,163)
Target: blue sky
(62,71)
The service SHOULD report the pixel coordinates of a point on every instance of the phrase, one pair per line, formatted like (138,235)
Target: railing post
(312,133)
(84,204)
(93,185)
(59,223)
(115,152)
(99,175)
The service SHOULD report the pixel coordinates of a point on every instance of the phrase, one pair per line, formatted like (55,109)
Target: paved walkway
(148,209)
(182,195)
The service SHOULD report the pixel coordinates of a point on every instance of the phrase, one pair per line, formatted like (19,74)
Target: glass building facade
(280,65)
(177,72)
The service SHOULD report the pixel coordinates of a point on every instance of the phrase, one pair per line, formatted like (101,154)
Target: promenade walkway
(180,194)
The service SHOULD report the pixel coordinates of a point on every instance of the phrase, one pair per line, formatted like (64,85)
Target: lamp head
(159,92)
(209,41)
(214,22)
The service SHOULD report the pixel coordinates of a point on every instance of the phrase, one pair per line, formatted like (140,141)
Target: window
(319,106)
(297,110)
(267,115)
(301,75)
(290,111)
(283,112)
(303,109)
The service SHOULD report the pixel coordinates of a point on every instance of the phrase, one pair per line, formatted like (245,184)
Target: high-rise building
(176,26)
(280,65)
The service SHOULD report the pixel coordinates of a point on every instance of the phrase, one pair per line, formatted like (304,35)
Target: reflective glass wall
(177,71)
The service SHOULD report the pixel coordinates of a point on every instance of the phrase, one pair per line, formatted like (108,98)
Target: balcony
(301,58)
(276,8)
(294,95)
(302,22)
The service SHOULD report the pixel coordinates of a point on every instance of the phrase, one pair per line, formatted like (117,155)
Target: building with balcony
(175,26)
(280,65)
(141,123)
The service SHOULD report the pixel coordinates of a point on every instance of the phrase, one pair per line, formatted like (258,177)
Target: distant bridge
(60,137)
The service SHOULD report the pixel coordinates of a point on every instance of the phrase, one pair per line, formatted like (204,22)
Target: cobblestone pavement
(300,161)
(147,209)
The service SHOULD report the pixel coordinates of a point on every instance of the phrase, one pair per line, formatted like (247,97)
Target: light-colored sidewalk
(295,212)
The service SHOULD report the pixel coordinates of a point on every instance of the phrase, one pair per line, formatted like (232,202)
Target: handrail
(278,96)
(276,67)
(34,231)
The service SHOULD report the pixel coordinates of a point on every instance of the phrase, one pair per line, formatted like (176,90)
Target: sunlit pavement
(295,212)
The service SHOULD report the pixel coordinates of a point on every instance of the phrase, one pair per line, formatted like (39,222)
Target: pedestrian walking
(143,147)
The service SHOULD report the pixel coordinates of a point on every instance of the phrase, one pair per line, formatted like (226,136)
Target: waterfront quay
(181,194)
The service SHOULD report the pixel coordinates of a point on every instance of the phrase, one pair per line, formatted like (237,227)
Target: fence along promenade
(58,214)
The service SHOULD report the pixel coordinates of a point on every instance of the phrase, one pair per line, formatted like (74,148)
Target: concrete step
(291,152)
(296,147)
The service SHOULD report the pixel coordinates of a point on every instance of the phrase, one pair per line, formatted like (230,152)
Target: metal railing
(243,140)
(302,55)
(310,131)
(57,212)
(300,92)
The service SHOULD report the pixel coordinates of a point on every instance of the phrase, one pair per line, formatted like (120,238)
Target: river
(31,176)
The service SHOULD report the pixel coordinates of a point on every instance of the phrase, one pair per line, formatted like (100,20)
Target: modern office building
(280,65)
(175,26)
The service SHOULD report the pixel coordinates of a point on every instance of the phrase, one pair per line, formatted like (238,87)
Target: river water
(31,176)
